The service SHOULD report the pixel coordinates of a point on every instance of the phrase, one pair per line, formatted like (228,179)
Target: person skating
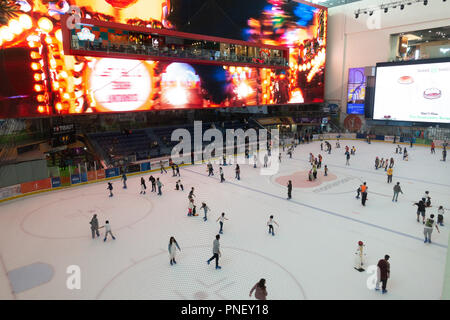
(428,228)
(173,246)
(270,225)
(289,189)
(405,154)
(347,158)
(191,193)
(216,252)
(386,164)
(172,165)
(224,158)
(205,210)
(177,169)
(279,157)
(159,185)
(444,154)
(358,191)
(440,220)
(321,146)
(314,171)
(384,270)
(364,194)
(107,227)
(153,182)
(391,163)
(432,147)
(360,257)
(427,199)
(110,188)
(191,207)
(210,169)
(389,174)
(222,179)
(320,161)
(179,185)
(161,165)
(238,172)
(420,210)
(325,170)
(397,190)
(266,159)
(94,226)
(377,163)
(124,179)
(221,220)
(143,186)
(260,290)
(254,160)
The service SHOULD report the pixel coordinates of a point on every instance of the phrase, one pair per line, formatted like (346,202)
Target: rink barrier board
(65,182)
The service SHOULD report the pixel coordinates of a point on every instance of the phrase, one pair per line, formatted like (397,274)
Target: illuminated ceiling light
(35,55)
(41,109)
(35,66)
(25,21)
(59,106)
(48,40)
(40,98)
(45,24)
(38,88)
(15,26)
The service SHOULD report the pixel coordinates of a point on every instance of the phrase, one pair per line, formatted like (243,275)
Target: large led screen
(356,91)
(39,80)
(413,92)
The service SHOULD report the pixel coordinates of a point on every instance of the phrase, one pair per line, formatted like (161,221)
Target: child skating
(270,225)
(221,220)
(107,227)
(173,246)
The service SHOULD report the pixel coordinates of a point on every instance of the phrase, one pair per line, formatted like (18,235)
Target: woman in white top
(173,246)
(191,207)
(270,225)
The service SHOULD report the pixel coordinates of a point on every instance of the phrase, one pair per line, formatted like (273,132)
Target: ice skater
(266,159)
(428,228)
(191,207)
(216,252)
(364,194)
(177,169)
(110,188)
(153,182)
(222,179)
(254,160)
(191,194)
(358,191)
(124,179)
(360,257)
(377,163)
(173,246)
(270,225)
(440,219)
(325,170)
(107,227)
(432,147)
(260,290)
(389,174)
(210,169)
(397,190)
(347,157)
(159,185)
(221,220)
(420,210)
(426,199)
(143,186)
(383,274)
(238,172)
(94,226)
(161,165)
(289,189)
(444,154)
(206,209)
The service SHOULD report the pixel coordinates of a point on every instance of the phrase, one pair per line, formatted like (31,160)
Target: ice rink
(311,255)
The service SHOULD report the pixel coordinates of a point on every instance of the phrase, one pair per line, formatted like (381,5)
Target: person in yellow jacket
(389,175)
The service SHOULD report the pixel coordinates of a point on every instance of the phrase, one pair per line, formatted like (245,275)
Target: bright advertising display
(413,92)
(356,91)
(40,80)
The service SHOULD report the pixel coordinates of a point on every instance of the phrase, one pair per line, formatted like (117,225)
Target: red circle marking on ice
(300,179)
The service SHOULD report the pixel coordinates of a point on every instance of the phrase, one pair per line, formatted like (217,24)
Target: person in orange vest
(389,175)
(432,147)
(364,194)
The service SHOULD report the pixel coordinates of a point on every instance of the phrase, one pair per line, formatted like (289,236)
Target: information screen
(413,92)
(356,91)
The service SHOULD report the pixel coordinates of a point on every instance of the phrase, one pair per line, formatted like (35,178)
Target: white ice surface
(310,257)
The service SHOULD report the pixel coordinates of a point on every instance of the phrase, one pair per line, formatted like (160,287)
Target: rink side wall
(102,175)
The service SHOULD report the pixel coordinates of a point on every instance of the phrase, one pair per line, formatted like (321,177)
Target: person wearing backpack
(428,228)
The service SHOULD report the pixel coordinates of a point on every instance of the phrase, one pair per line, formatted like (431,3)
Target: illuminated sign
(85,34)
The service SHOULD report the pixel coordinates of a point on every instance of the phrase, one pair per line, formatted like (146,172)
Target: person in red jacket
(432,147)
(260,290)
(384,270)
